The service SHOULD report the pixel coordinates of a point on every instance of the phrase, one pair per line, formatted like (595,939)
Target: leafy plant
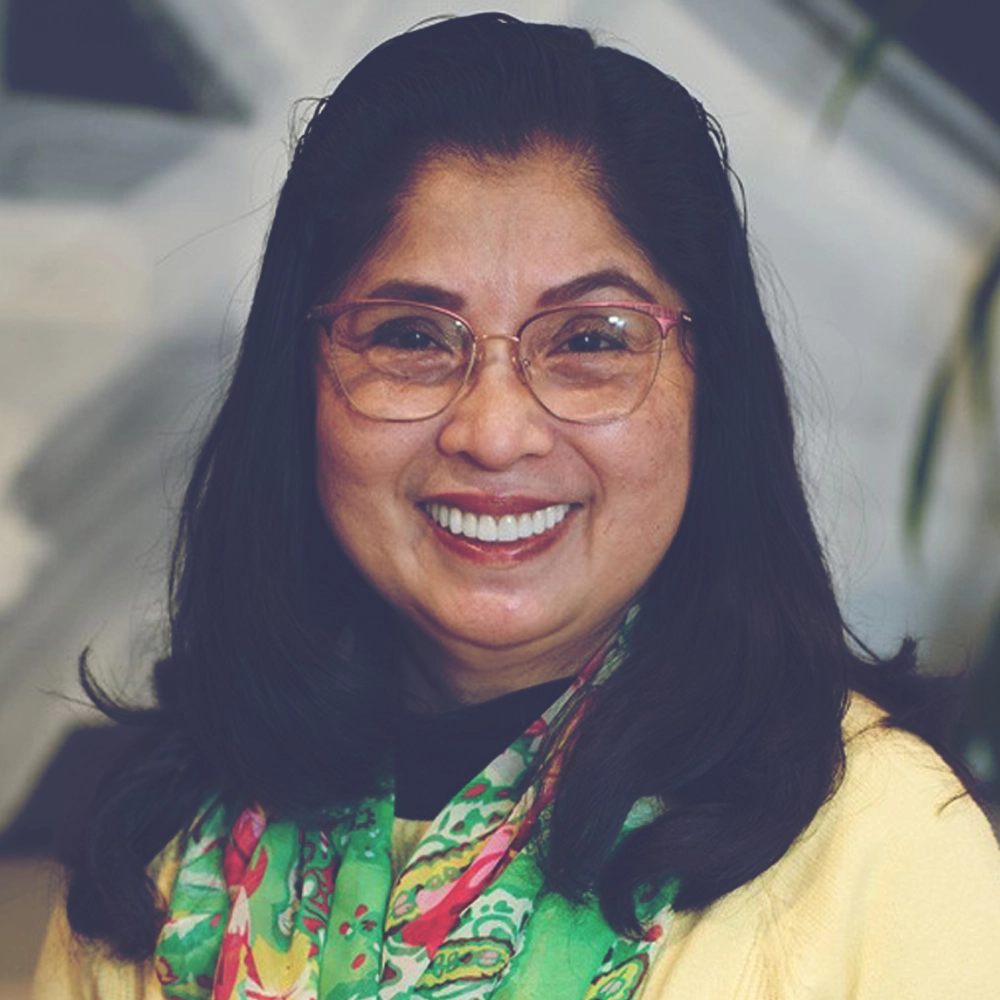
(964,370)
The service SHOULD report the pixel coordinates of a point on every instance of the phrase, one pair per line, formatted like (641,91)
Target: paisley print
(263,910)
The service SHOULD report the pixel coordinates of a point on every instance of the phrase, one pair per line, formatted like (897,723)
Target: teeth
(508,528)
(486,528)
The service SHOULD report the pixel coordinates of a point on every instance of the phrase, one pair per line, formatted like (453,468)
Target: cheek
(332,476)
(353,484)
(361,468)
(655,470)
(346,470)
(663,443)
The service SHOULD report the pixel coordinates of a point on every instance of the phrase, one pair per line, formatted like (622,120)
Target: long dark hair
(279,686)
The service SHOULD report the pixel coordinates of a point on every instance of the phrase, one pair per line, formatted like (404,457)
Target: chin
(496,631)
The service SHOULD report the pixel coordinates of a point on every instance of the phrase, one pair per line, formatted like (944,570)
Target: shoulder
(900,871)
(893,891)
(900,810)
(73,969)
(896,790)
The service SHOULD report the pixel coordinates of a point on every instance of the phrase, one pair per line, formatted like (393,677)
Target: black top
(438,755)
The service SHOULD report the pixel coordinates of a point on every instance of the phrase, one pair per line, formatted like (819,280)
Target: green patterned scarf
(263,910)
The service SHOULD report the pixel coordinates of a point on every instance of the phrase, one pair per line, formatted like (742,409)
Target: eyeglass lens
(399,361)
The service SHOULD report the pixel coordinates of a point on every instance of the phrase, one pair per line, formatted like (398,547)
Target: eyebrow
(610,277)
(411,291)
(432,295)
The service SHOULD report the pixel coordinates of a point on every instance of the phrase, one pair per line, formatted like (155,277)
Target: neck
(442,676)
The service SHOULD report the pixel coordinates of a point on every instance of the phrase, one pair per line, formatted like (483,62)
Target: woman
(505,662)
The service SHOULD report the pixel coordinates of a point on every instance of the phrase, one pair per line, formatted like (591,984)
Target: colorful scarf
(264,910)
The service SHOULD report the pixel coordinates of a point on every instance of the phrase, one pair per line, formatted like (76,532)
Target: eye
(591,341)
(590,335)
(411,333)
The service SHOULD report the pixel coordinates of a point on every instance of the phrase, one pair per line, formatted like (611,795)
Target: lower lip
(501,553)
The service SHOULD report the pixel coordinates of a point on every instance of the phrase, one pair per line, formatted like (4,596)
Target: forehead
(508,229)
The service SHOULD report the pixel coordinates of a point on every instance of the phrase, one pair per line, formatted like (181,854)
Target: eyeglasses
(405,361)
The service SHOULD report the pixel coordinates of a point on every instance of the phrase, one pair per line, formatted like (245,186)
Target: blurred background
(142,143)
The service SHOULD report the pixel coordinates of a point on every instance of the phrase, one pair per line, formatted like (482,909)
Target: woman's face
(495,246)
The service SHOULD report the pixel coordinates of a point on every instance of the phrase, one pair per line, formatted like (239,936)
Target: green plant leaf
(977,337)
(920,478)
(970,352)
(863,60)
(979,722)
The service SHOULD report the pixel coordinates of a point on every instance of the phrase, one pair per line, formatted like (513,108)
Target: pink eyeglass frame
(665,317)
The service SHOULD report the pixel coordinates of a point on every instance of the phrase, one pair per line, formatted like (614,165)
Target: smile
(486,528)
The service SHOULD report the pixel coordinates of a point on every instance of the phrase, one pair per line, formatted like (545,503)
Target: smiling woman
(504,660)
(499,241)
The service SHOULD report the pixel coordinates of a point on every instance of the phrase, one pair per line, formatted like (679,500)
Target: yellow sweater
(892,893)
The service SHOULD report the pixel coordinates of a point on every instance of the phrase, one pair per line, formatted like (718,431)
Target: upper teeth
(486,528)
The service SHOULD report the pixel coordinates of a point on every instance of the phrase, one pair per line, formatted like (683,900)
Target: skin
(495,243)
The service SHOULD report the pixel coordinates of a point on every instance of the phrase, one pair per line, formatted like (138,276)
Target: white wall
(116,321)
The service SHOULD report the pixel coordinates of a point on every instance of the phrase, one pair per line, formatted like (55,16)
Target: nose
(496,421)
